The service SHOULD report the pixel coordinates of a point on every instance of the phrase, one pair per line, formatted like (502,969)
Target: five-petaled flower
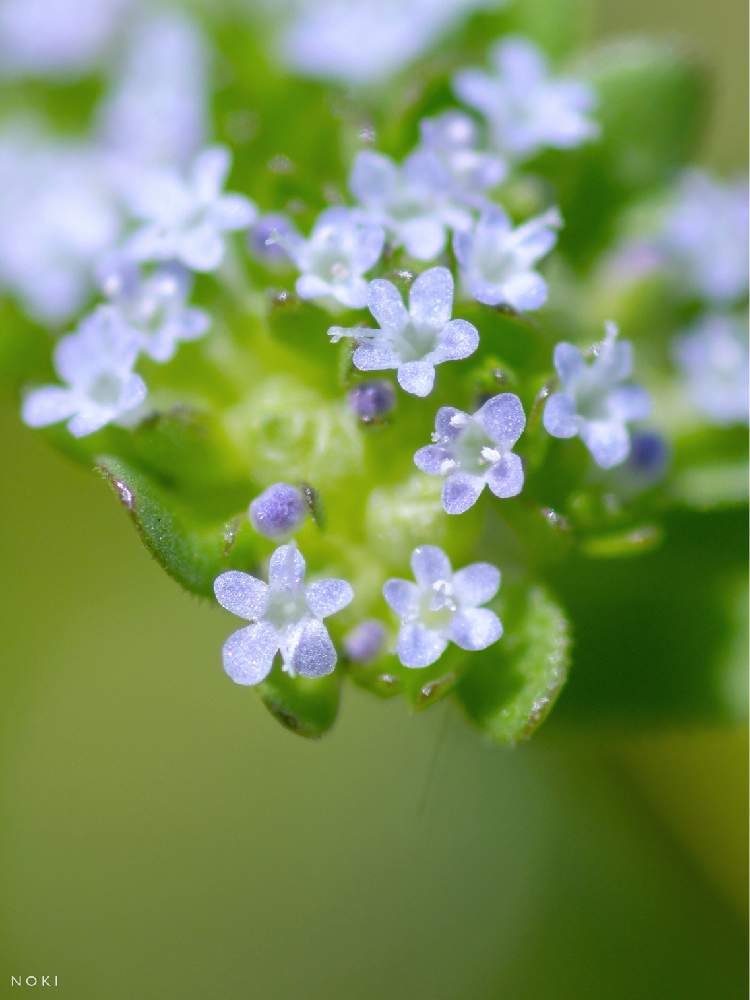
(526,109)
(595,400)
(443,606)
(155,306)
(474,450)
(453,138)
(411,340)
(286,616)
(497,261)
(341,248)
(713,358)
(96,362)
(186,217)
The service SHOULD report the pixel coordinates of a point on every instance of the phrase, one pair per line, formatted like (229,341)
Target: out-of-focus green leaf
(511,687)
(306,706)
(712,484)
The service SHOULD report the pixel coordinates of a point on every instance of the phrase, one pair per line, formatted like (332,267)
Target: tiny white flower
(186,217)
(414,202)
(527,109)
(453,138)
(411,340)
(155,306)
(497,261)
(713,358)
(471,451)
(705,237)
(443,606)
(341,248)
(286,616)
(96,362)
(595,400)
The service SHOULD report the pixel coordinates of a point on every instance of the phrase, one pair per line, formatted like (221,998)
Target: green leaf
(508,692)
(306,706)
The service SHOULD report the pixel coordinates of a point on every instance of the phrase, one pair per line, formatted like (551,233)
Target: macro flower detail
(96,362)
(453,139)
(411,340)
(286,616)
(442,607)
(472,451)
(527,109)
(186,216)
(413,202)
(155,306)
(278,511)
(497,261)
(342,247)
(713,358)
(595,400)
(372,400)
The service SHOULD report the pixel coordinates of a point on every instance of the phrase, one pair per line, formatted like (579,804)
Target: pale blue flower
(372,399)
(96,363)
(414,202)
(595,401)
(411,340)
(286,616)
(453,138)
(472,451)
(341,248)
(713,358)
(497,261)
(442,607)
(186,216)
(154,305)
(278,511)
(705,237)
(527,109)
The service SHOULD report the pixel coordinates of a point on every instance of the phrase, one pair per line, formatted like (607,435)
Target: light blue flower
(411,340)
(96,362)
(713,358)
(341,248)
(595,400)
(155,305)
(286,616)
(472,451)
(278,511)
(186,216)
(705,237)
(497,261)
(453,138)
(527,109)
(442,607)
(414,202)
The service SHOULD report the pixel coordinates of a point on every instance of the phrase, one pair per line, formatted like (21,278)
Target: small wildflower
(526,109)
(453,138)
(154,306)
(496,261)
(96,362)
(443,606)
(267,237)
(471,451)
(278,511)
(713,358)
(412,341)
(595,401)
(186,217)
(286,616)
(342,247)
(372,400)
(365,641)
(413,202)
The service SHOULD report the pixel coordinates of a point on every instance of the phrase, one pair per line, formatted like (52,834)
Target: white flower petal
(233,211)
(418,646)
(89,420)
(416,377)
(430,459)
(430,564)
(423,238)
(458,340)
(607,440)
(431,299)
(461,491)
(209,171)
(559,417)
(386,305)
(525,291)
(326,597)
(313,654)
(629,402)
(48,405)
(310,286)
(286,569)
(373,177)
(476,584)
(569,363)
(201,248)
(242,594)
(248,653)
(503,419)
(374,356)
(505,478)
(475,628)
(402,596)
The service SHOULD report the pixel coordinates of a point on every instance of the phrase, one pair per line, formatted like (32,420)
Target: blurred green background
(162,836)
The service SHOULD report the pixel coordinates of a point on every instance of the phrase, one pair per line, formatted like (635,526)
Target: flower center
(285,607)
(437,605)
(414,343)
(105,390)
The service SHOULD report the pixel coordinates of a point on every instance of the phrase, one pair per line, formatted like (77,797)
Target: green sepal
(306,706)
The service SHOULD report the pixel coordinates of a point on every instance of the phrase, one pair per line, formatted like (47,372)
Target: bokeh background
(162,836)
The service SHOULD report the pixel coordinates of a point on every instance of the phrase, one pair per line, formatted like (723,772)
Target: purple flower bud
(267,237)
(649,454)
(370,400)
(364,642)
(278,511)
